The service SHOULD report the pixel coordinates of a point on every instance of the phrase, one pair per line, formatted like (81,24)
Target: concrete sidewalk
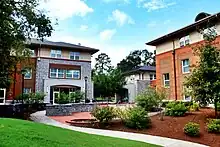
(163,141)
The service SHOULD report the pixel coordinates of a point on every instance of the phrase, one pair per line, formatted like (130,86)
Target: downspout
(174,70)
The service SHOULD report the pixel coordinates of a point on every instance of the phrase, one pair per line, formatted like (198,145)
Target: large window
(2,95)
(73,74)
(56,53)
(185,66)
(74,55)
(166,79)
(28,73)
(184,41)
(57,73)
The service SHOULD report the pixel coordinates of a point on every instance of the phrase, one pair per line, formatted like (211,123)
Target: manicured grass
(20,133)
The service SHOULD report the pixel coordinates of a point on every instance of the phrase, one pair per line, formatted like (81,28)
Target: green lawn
(20,133)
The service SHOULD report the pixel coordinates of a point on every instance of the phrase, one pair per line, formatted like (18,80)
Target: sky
(117,27)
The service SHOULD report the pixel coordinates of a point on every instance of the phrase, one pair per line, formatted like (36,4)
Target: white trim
(164,81)
(3,96)
(183,66)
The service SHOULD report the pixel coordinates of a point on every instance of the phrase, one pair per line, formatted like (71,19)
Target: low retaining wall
(67,110)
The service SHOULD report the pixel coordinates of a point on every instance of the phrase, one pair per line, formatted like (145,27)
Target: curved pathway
(163,141)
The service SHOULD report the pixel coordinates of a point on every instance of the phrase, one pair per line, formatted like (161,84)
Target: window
(74,55)
(184,41)
(32,53)
(27,90)
(187,98)
(61,73)
(166,80)
(53,72)
(2,95)
(152,77)
(73,74)
(56,53)
(28,73)
(185,66)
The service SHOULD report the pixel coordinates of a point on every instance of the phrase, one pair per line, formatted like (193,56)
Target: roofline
(79,47)
(184,29)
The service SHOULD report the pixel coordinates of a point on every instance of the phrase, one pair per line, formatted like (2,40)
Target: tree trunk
(216,110)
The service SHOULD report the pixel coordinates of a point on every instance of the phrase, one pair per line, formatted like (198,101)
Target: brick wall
(165,64)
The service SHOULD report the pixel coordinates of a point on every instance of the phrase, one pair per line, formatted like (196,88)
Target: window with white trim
(185,66)
(184,41)
(28,73)
(166,80)
(56,53)
(152,77)
(74,55)
(2,95)
(57,73)
(27,90)
(73,74)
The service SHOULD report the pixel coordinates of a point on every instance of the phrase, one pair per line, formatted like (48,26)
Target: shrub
(38,96)
(175,109)
(214,126)
(104,114)
(150,98)
(194,106)
(63,98)
(218,106)
(191,129)
(76,96)
(137,118)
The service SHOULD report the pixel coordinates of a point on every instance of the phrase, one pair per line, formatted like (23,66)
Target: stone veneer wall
(67,110)
(42,74)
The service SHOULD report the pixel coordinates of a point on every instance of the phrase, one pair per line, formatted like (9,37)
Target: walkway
(167,142)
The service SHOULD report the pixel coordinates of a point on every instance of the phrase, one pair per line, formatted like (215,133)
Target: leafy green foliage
(77,96)
(136,118)
(204,80)
(37,97)
(218,106)
(137,58)
(103,64)
(104,114)
(191,129)
(194,106)
(150,98)
(74,97)
(20,19)
(175,109)
(214,126)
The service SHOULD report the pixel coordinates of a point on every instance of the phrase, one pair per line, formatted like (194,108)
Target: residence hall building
(174,55)
(56,67)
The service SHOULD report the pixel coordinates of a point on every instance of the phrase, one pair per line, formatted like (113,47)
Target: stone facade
(67,110)
(43,82)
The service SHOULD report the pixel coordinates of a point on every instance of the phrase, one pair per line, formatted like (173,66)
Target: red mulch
(172,127)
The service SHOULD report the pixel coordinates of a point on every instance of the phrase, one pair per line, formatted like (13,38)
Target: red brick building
(174,54)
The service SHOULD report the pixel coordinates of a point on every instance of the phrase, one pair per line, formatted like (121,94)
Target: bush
(175,109)
(218,106)
(137,118)
(104,114)
(191,129)
(63,98)
(214,126)
(150,98)
(194,107)
(76,96)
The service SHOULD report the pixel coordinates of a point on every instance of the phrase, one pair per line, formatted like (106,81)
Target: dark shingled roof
(46,43)
(141,69)
(200,21)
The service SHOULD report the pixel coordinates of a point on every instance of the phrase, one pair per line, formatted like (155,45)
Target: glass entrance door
(2,96)
(56,95)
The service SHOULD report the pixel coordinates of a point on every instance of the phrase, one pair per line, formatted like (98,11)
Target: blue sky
(117,27)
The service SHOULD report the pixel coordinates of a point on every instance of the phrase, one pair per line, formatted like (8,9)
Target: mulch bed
(172,127)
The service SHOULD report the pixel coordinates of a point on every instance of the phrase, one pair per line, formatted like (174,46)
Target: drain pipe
(174,70)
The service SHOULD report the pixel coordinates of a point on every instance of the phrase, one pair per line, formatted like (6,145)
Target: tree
(204,81)
(103,63)
(135,59)
(20,19)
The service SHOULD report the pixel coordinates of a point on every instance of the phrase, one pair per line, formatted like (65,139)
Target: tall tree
(135,59)
(204,82)
(19,20)
(103,63)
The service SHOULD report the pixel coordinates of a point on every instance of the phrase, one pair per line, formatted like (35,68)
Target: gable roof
(200,21)
(144,68)
(46,43)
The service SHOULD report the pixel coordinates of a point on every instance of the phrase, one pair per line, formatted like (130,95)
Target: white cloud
(63,9)
(120,18)
(154,4)
(118,1)
(152,24)
(83,27)
(107,34)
